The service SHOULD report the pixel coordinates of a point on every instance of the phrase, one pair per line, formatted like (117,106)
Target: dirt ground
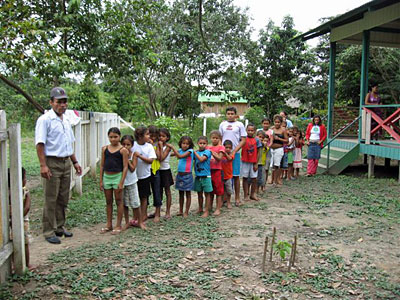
(348,248)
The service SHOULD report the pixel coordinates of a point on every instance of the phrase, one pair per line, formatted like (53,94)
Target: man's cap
(58,93)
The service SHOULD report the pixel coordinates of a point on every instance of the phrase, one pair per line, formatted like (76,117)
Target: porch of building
(376,23)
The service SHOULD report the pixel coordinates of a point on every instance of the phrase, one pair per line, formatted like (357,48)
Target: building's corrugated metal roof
(231,96)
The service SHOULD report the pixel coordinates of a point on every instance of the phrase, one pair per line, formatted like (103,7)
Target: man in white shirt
(235,132)
(53,139)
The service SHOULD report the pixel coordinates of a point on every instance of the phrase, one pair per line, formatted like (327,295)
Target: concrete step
(330,157)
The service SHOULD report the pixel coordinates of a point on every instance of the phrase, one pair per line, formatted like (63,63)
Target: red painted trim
(385,123)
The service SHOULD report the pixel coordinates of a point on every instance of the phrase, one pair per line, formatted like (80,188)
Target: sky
(305,13)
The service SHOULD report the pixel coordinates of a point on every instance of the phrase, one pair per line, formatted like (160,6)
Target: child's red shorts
(216,179)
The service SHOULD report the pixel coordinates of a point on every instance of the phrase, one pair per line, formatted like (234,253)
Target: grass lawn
(348,230)
(348,247)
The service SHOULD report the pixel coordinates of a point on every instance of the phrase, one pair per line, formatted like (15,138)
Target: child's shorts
(247,171)
(276,157)
(236,165)
(111,181)
(260,176)
(203,184)
(284,164)
(144,187)
(290,157)
(217,184)
(131,196)
(184,181)
(228,186)
(166,178)
(155,183)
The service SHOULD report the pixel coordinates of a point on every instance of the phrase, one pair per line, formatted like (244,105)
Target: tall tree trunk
(19,90)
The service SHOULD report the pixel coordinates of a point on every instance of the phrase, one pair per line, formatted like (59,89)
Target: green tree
(47,39)
(272,63)
(182,65)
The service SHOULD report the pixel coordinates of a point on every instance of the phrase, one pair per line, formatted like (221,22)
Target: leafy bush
(176,127)
(255,115)
(301,123)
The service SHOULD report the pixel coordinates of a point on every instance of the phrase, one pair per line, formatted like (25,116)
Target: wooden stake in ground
(265,254)
(292,253)
(295,249)
(272,243)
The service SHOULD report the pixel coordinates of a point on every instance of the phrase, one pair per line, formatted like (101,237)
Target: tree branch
(19,90)
(201,25)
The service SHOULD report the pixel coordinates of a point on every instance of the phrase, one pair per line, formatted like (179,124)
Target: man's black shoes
(53,240)
(64,233)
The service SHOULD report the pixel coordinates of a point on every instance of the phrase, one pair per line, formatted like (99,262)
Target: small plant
(282,248)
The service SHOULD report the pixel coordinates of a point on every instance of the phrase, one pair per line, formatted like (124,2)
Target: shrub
(177,127)
(255,115)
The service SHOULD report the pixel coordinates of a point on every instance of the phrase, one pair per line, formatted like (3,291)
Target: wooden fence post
(3,182)
(93,150)
(78,154)
(16,198)
(5,265)
(101,132)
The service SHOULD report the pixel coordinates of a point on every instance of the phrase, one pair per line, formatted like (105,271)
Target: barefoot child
(184,178)
(145,154)
(290,147)
(279,138)
(131,193)
(217,151)
(227,172)
(249,166)
(202,182)
(266,127)
(298,155)
(285,157)
(234,130)
(261,159)
(113,169)
(155,174)
(166,179)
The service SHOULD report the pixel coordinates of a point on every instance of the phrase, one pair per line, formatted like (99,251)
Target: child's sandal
(105,230)
(116,231)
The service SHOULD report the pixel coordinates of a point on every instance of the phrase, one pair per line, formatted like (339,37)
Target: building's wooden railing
(390,124)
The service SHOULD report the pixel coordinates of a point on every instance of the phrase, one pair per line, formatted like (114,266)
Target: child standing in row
(113,169)
(249,165)
(131,193)
(227,170)
(184,178)
(261,158)
(217,151)
(166,179)
(146,155)
(290,148)
(298,156)
(202,182)
(155,174)
(266,124)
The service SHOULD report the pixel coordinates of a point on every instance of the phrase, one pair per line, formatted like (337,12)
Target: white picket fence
(12,137)
(90,135)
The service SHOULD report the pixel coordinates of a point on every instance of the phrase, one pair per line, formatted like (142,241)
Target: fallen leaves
(108,290)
